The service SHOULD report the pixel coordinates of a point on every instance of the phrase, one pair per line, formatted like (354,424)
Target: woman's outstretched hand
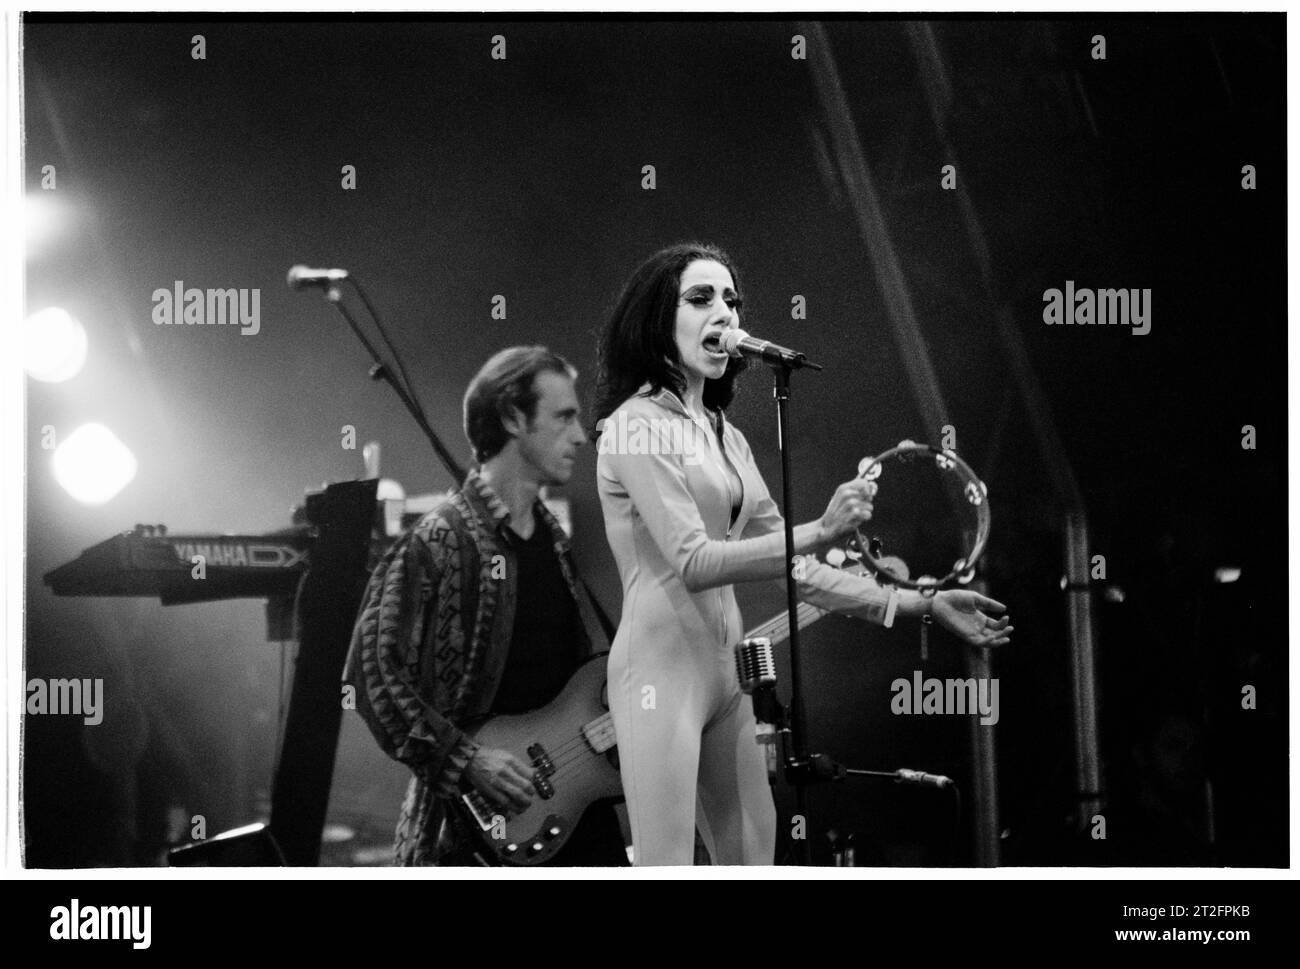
(964,613)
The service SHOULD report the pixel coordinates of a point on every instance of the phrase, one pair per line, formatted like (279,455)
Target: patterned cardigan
(422,668)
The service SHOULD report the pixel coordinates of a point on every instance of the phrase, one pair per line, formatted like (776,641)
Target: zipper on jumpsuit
(726,481)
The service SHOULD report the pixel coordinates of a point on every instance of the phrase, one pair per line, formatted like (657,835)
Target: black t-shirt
(545,650)
(545,642)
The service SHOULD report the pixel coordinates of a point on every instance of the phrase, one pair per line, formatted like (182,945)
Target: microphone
(755,666)
(905,776)
(756,670)
(302,276)
(739,343)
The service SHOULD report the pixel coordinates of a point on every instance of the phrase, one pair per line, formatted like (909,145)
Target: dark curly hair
(637,342)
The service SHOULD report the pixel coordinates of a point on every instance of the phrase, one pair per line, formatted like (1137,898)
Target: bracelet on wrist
(891,609)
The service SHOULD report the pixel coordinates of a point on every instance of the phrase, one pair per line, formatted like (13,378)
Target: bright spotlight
(48,219)
(54,345)
(92,465)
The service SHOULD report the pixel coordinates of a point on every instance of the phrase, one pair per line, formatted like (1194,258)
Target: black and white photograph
(592,442)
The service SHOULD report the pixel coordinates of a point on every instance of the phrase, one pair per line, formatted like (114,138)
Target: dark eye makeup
(704,296)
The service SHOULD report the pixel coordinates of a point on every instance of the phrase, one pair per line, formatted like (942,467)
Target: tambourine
(930,518)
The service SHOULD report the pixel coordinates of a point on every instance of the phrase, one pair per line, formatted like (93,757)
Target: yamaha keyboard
(148,562)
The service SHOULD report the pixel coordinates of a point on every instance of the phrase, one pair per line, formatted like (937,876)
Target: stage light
(1227,573)
(49,218)
(92,465)
(54,345)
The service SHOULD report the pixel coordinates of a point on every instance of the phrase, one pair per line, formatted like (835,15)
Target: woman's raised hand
(850,506)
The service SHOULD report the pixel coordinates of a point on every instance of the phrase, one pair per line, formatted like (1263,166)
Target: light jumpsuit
(681,726)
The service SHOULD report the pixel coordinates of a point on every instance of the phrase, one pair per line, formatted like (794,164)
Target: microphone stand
(381,371)
(803,768)
(406,394)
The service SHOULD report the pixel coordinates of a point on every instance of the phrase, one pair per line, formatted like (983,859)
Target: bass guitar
(571,748)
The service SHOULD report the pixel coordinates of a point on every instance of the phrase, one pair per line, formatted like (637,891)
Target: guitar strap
(607,627)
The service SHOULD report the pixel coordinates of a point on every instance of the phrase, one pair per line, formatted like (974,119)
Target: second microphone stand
(381,371)
(802,768)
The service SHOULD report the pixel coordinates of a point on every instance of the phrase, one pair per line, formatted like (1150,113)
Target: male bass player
(476,611)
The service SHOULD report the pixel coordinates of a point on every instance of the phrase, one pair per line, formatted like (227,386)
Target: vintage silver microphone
(755,665)
(756,670)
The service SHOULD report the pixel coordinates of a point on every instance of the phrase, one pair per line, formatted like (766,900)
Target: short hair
(637,343)
(505,383)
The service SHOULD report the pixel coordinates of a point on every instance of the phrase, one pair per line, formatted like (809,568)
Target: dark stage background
(523,177)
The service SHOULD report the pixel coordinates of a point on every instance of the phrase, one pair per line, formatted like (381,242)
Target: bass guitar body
(569,743)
